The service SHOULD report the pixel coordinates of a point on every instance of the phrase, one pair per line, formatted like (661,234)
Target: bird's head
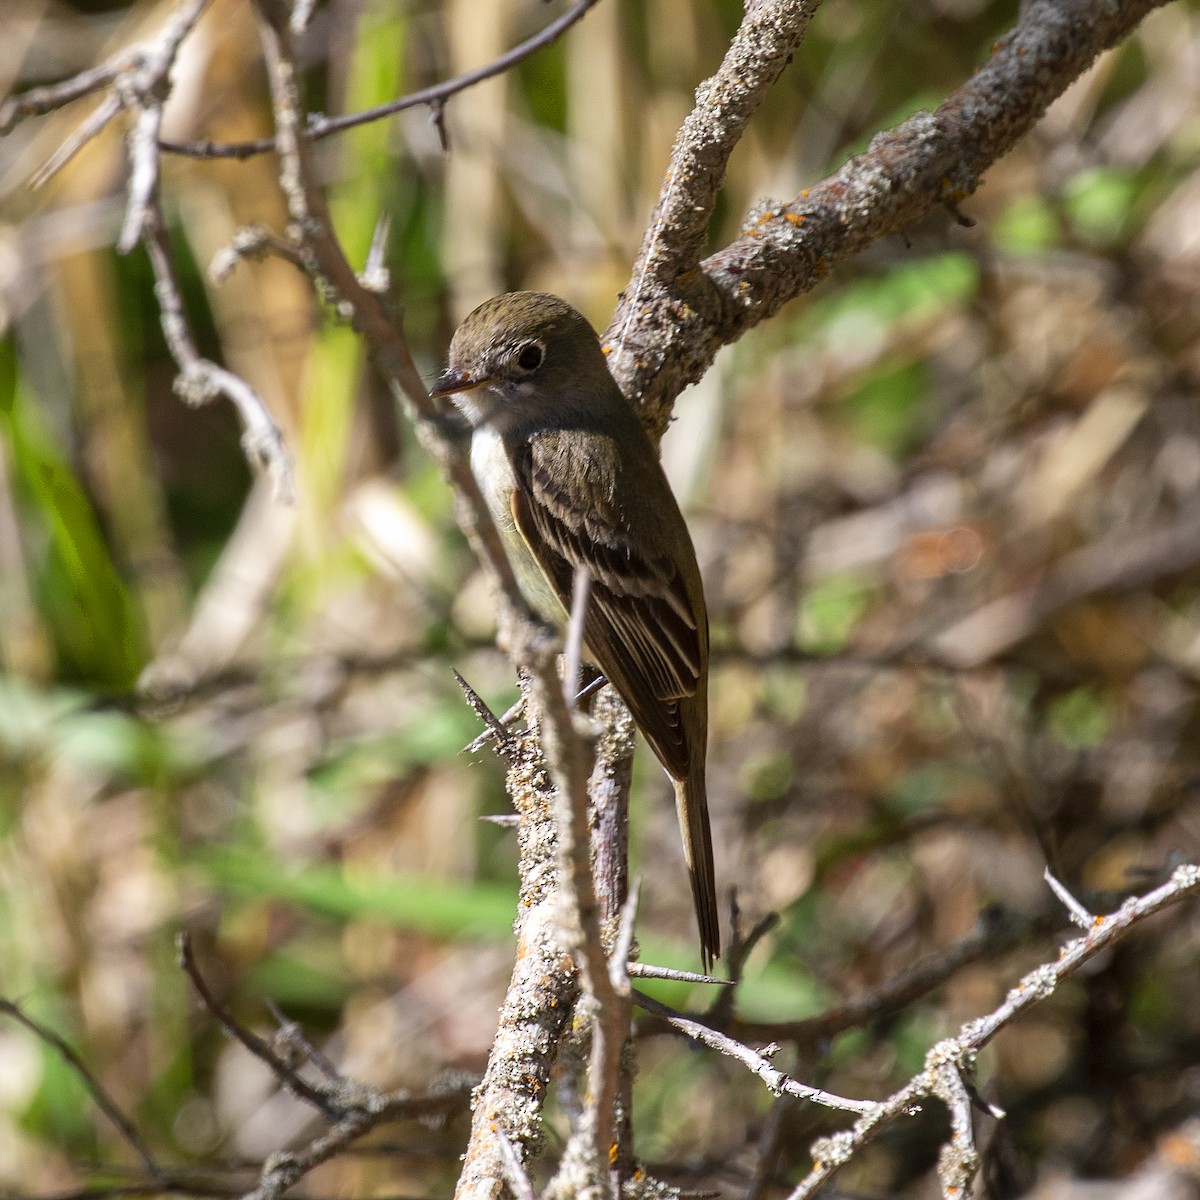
(519,357)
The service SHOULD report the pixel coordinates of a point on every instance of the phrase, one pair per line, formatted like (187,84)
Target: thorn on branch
(641,970)
(959,216)
(437,118)
(494,723)
(1079,914)
(375,276)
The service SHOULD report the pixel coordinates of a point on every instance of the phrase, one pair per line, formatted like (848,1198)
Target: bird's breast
(492,468)
(493,472)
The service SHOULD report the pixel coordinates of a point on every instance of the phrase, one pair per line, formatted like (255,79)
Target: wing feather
(640,626)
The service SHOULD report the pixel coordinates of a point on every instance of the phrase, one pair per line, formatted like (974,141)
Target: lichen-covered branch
(668,327)
(674,241)
(949,1066)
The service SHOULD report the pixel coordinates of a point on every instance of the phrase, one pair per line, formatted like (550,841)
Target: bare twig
(143,174)
(641,970)
(200,380)
(573,666)
(949,1065)
(318,127)
(38,101)
(323,256)
(261,1050)
(291,1034)
(104,1101)
(254,242)
(778,1082)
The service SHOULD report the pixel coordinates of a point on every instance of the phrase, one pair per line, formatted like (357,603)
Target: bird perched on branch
(573,481)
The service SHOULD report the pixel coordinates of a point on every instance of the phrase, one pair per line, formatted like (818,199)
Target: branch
(949,1066)
(586,1159)
(768,36)
(317,126)
(140,81)
(757,1061)
(669,326)
(538,1003)
(323,257)
(200,380)
(103,1100)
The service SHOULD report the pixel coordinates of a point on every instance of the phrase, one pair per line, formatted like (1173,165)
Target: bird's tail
(691,803)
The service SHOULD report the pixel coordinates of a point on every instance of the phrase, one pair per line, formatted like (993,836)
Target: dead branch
(317,127)
(950,1065)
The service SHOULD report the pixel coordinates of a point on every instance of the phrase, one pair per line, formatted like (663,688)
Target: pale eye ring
(529,356)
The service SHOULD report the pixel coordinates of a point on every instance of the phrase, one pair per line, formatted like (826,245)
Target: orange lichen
(794,218)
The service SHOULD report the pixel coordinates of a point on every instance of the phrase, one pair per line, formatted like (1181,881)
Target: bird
(571,479)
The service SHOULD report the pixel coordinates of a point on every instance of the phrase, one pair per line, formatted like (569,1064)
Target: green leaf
(1026,226)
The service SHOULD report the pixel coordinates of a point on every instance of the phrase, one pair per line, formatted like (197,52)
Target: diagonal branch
(949,1066)
(436,95)
(764,44)
(668,328)
(103,1100)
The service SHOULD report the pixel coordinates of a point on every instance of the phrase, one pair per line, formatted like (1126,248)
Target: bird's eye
(530,356)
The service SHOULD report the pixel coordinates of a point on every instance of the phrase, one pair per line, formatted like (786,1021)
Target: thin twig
(573,668)
(318,127)
(949,1065)
(291,1034)
(261,1050)
(641,970)
(776,1080)
(618,960)
(103,1100)
(41,100)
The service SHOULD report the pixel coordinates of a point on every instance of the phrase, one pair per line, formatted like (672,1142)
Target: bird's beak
(455,381)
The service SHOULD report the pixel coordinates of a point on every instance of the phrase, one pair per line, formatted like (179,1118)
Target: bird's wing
(640,626)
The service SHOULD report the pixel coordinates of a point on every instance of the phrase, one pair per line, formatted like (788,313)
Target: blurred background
(947,509)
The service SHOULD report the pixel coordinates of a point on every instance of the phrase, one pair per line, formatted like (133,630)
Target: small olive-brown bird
(572,480)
